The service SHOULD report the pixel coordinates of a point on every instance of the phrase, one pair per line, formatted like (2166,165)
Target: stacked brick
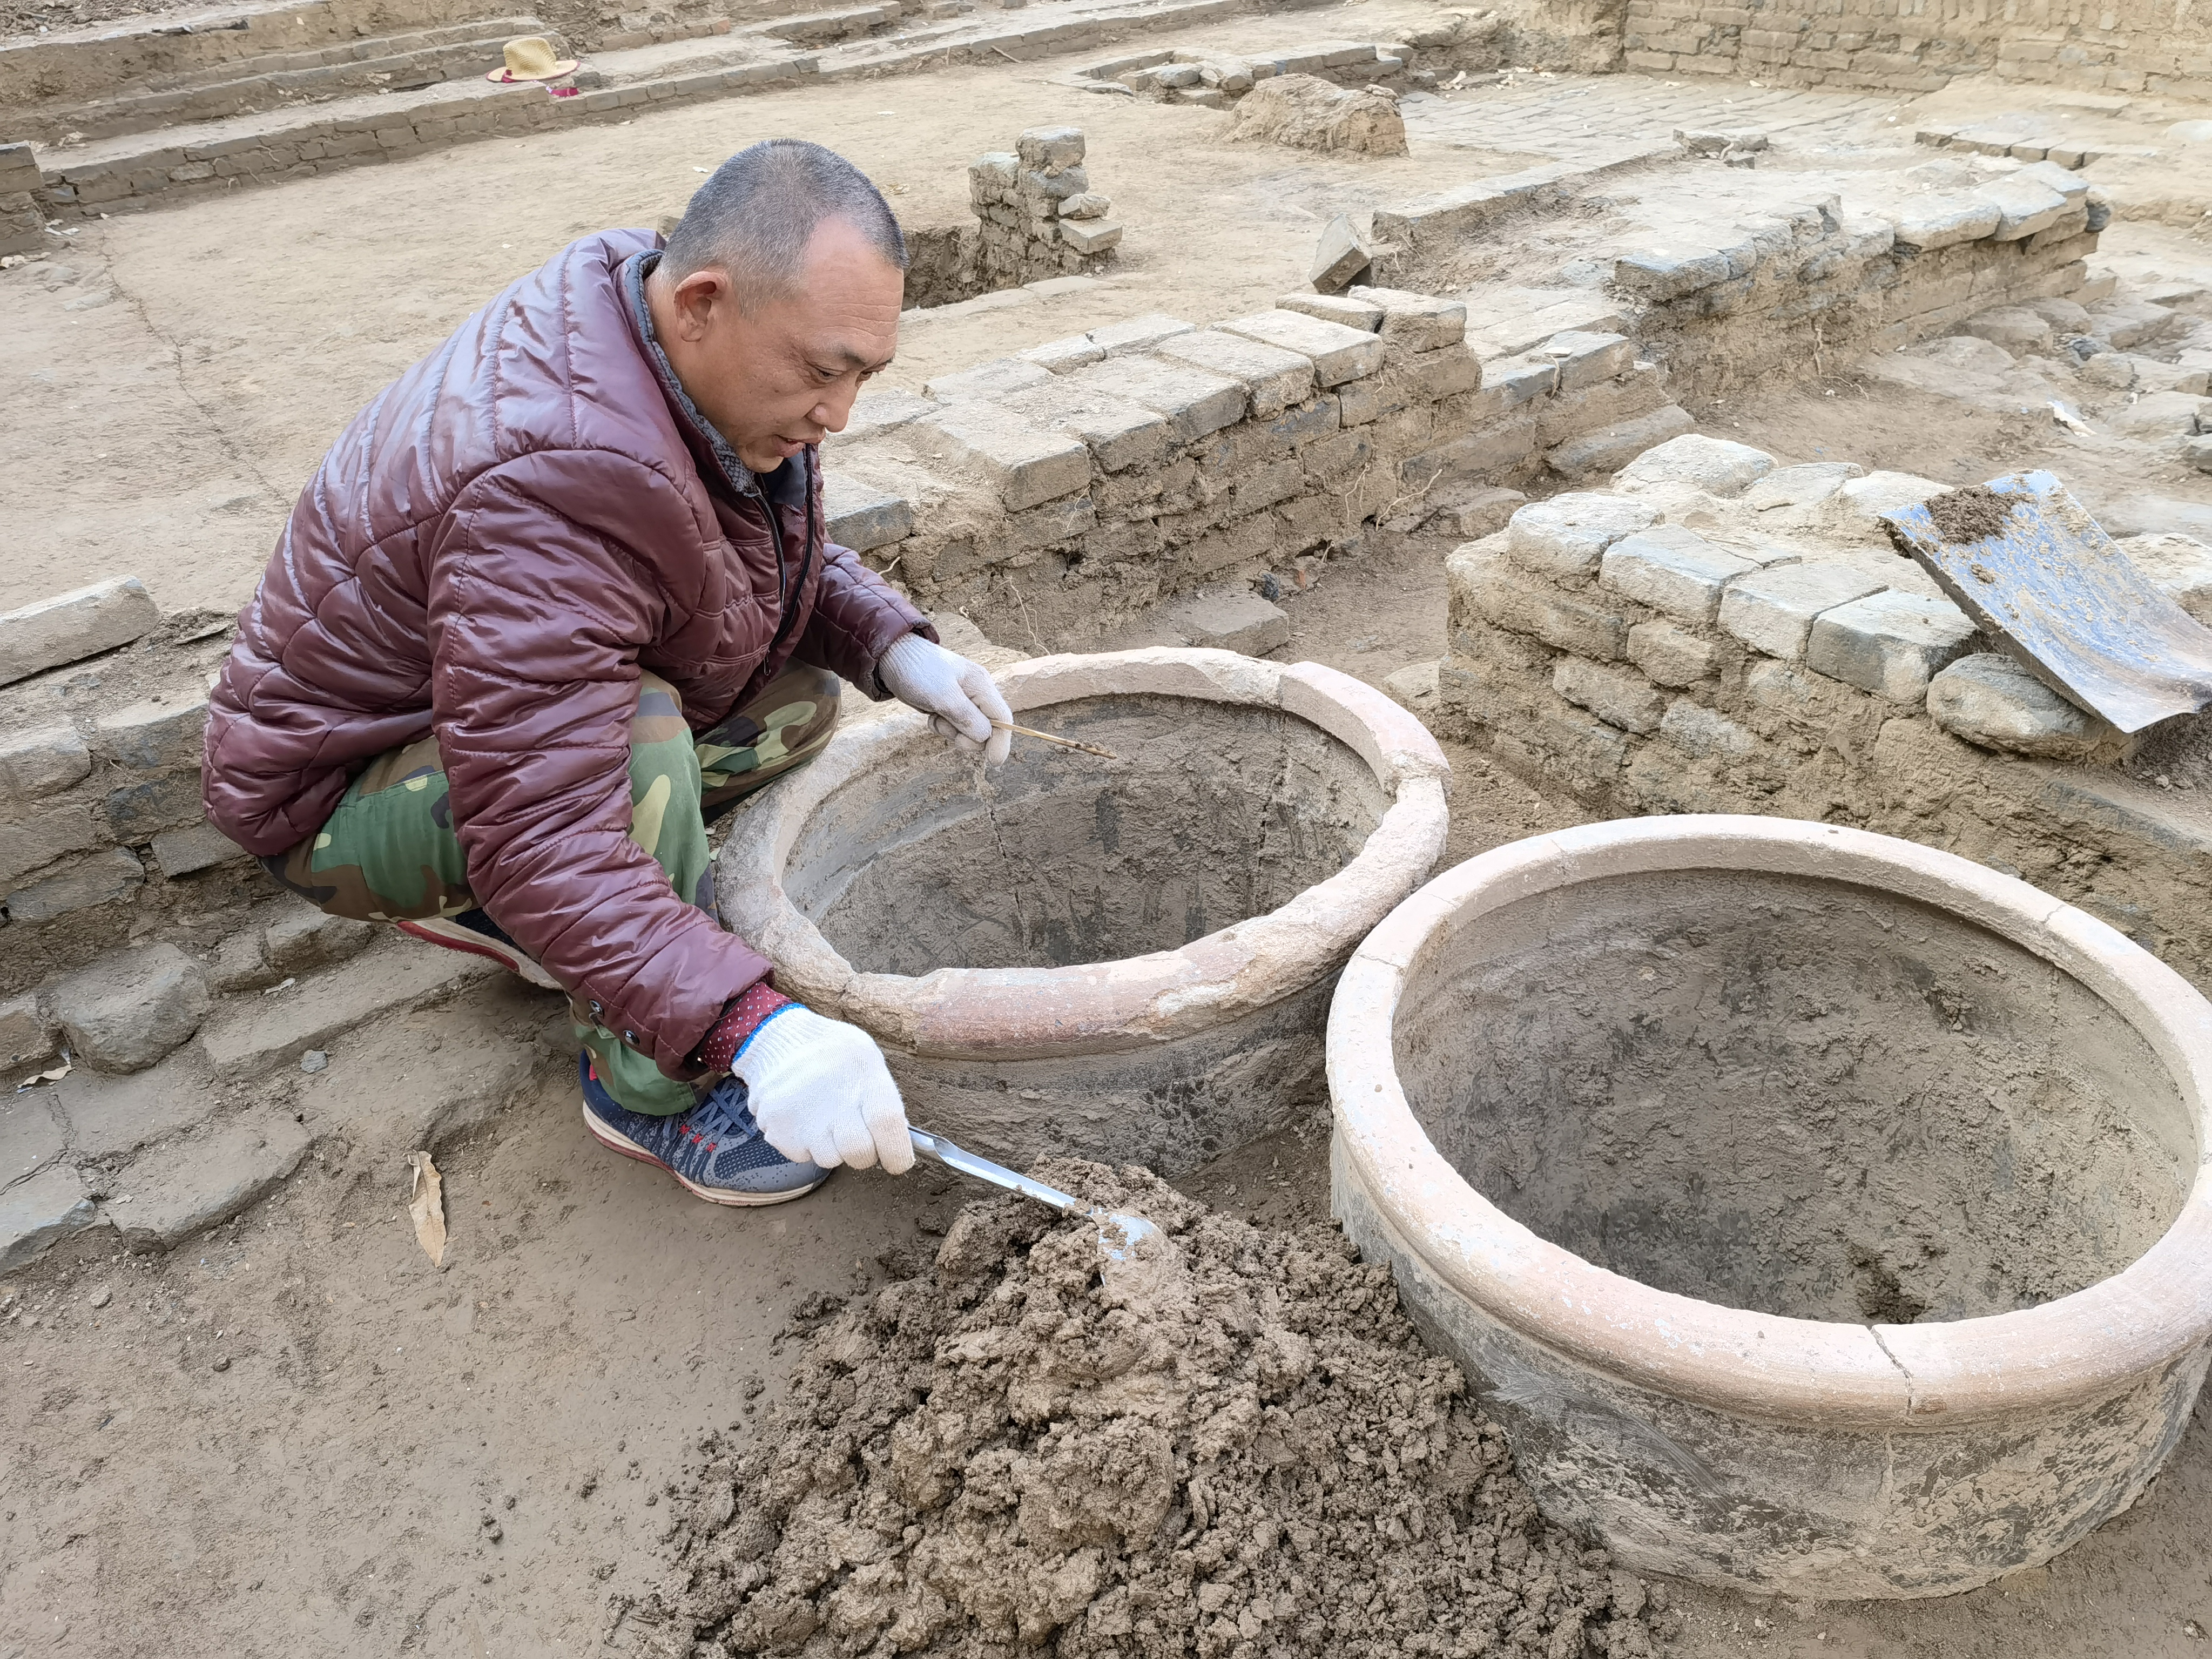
(22,224)
(1037,215)
(2129,45)
(1064,487)
(1816,284)
(100,822)
(1713,634)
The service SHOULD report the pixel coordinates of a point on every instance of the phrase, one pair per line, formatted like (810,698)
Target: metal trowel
(1119,1233)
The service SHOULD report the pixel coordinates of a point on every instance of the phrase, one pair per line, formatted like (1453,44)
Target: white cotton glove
(958,695)
(820,1093)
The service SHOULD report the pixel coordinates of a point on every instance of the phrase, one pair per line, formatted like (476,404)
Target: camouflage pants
(389,852)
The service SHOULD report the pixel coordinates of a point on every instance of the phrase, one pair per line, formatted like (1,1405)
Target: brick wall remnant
(1715,634)
(1913,46)
(1062,489)
(1037,212)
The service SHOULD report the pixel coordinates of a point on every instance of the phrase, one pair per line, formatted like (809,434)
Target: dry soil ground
(294,1437)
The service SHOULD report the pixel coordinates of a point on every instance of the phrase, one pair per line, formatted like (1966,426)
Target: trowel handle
(937,1147)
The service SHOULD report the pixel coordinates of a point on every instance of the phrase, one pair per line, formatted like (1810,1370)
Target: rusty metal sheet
(2047,584)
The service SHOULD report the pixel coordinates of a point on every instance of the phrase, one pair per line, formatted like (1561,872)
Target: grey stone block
(1234,620)
(1773,609)
(1805,485)
(1066,354)
(36,840)
(1335,308)
(986,381)
(99,879)
(300,937)
(1137,333)
(1672,655)
(1668,274)
(73,626)
(41,762)
(263,1032)
(1194,401)
(26,1035)
(1089,236)
(876,410)
(1054,149)
(1417,322)
(197,846)
(37,1213)
(1994,702)
(1339,258)
(1693,461)
(1697,730)
(1025,463)
(2024,204)
(1674,571)
(1891,644)
(1417,686)
(1121,435)
(1596,631)
(1922,228)
(188,1185)
(2181,565)
(134,811)
(1469,511)
(1586,359)
(1611,447)
(1517,381)
(1568,534)
(1339,354)
(31,1136)
(1274,378)
(1618,696)
(2018,330)
(126,1010)
(861,516)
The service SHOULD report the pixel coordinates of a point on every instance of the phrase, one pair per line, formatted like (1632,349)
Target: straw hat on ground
(529,57)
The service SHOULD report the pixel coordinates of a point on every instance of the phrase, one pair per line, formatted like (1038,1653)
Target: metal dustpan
(2025,560)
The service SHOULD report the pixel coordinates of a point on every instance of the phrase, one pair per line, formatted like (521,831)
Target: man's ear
(699,297)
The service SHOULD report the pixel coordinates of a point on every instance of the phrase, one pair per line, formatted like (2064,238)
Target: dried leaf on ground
(426,1204)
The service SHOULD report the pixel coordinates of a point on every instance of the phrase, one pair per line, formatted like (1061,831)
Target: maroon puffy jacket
(491,551)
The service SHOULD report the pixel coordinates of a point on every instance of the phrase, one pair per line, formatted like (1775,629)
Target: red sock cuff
(745,1015)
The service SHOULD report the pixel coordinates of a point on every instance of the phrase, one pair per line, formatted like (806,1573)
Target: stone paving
(1590,120)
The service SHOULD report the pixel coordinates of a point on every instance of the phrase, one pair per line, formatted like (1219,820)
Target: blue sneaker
(715,1149)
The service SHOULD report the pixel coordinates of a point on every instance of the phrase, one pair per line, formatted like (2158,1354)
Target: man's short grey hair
(754,217)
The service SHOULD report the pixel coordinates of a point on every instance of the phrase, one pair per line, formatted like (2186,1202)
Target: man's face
(779,379)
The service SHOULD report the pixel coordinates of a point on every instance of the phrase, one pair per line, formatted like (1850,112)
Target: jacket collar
(786,486)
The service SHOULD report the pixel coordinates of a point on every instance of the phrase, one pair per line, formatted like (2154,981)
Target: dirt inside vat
(1212,813)
(1234,1446)
(1797,1097)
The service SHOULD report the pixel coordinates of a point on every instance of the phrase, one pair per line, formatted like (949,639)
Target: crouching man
(560,596)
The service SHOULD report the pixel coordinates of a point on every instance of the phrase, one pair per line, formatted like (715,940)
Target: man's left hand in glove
(959,697)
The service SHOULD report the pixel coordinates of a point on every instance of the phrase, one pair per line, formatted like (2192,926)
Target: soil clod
(1974,514)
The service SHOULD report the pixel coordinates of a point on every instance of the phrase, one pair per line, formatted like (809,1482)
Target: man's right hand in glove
(820,1093)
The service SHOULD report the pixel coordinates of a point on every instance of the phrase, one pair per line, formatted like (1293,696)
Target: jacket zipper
(787,595)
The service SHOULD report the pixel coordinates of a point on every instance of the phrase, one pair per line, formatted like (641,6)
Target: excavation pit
(1826,1213)
(1125,960)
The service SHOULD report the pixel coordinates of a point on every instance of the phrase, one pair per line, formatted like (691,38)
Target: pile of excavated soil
(1307,113)
(1233,1445)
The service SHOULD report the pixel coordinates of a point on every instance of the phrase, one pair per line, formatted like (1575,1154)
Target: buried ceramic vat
(1818,1211)
(1128,960)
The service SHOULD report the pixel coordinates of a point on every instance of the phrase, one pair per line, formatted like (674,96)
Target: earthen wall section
(1918,46)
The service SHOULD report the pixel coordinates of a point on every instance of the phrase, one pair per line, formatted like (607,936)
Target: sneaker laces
(727,1114)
